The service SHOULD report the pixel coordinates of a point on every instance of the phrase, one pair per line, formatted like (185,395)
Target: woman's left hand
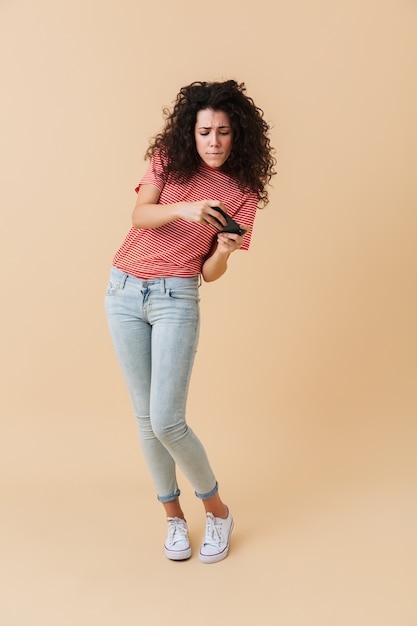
(216,263)
(229,242)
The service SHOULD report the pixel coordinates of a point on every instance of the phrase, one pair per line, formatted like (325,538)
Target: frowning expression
(213,137)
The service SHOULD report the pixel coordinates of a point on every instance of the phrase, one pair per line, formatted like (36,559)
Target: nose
(214,139)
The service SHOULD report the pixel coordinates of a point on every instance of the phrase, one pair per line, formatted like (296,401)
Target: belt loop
(200,280)
(162,285)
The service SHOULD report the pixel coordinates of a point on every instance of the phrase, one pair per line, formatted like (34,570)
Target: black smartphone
(231,226)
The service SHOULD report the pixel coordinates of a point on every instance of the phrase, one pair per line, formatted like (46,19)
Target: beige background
(304,390)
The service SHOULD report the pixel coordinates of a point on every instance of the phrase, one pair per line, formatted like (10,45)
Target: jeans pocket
(186,294)
(116,282)
(111,289)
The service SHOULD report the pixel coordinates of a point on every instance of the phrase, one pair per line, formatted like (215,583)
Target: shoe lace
(213,534)
(177,529)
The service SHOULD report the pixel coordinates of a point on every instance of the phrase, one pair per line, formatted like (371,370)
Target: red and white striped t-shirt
(179,248)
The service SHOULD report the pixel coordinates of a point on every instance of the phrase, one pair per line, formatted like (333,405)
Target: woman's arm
(149,214)
(216,263)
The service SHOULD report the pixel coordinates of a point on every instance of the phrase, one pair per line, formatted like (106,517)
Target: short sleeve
(155,174)
(246,215)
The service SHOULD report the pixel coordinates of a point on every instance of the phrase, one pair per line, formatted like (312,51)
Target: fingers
(213,213)
(233,237)
(229,242)
(213,216)
(202,212)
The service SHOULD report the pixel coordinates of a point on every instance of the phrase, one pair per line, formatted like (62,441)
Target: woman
(213,153)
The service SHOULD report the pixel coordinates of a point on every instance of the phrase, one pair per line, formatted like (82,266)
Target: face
(213,137)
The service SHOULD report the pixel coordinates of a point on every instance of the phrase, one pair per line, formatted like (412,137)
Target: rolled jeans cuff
(170,497)
(210,494)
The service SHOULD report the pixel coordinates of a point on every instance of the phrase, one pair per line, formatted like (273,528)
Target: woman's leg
(174,314)
(131,334)
(212,505)
(216,506)
(173,509)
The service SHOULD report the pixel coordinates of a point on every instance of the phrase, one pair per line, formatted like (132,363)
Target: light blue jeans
(154,325)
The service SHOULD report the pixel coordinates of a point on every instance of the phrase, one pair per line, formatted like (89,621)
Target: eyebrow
(210,127)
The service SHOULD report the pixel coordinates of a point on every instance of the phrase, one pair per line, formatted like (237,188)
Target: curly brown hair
(250,163)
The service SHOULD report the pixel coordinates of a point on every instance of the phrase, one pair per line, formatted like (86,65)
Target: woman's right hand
(202,212)
(148,213)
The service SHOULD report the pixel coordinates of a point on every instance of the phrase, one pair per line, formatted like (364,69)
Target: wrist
(221,254)
(177,210)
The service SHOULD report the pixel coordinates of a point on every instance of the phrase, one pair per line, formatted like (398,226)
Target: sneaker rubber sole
(178,555)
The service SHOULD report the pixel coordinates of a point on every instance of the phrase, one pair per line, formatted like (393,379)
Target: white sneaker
(177,545)
(216,541)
